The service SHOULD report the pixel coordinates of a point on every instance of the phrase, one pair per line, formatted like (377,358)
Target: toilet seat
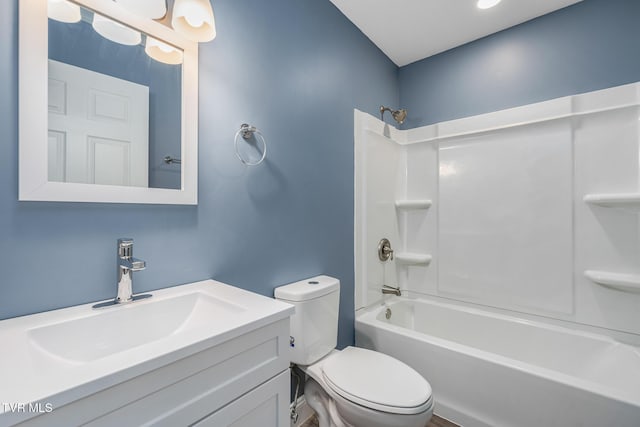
(377,381)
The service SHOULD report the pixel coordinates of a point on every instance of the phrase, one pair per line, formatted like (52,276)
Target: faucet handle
(125,247)
(385,252)
(138,264)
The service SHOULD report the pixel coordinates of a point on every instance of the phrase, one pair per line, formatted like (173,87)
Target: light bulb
(162,52)
(152,9)
(115,31)
(63,11)
(194,19)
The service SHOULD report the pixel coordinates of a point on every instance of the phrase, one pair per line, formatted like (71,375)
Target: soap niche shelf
(413,204)
(413,258)
(627,201)
(410,258)
(618,281)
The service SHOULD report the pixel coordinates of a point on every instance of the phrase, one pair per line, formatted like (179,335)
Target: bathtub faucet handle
(385,252)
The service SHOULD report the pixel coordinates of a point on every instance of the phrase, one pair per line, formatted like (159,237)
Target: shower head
(398,115)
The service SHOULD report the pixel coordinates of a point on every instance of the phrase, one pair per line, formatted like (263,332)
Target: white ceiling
(410,30)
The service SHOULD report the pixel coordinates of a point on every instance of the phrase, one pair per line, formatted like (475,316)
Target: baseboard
(304,412)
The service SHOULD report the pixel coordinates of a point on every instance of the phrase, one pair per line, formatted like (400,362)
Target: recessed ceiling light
(486,4)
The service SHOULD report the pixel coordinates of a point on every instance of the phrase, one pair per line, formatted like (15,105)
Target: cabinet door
(264,406)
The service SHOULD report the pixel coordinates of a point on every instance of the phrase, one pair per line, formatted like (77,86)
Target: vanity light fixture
(487,4)
(63,11)
(152,9)
(158,50)
(194,19)
(115,31)
(162,52)
(191,18)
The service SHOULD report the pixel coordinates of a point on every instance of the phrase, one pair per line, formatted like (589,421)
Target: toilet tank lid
(307,289)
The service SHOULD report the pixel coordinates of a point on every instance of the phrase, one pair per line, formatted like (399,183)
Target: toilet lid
(377,381)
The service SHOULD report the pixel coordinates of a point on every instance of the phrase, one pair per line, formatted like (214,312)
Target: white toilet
(354,387)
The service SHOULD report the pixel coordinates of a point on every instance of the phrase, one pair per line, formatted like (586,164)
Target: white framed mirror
(105,97)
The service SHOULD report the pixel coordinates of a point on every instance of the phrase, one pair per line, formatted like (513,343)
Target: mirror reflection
(114,102)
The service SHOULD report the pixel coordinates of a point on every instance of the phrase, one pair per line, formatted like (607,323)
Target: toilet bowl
(354,387)
(358,387)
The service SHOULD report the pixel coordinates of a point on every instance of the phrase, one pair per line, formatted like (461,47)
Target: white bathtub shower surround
(492,370)
(529,221)
(511,208)
(504,208)
(378,174)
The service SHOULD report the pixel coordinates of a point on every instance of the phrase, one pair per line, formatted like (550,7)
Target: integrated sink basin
(118,328)
(61,356)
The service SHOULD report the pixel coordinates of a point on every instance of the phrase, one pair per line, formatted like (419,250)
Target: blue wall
(591,45)
(296,69)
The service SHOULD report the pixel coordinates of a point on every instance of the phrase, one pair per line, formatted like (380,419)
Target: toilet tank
(314,326)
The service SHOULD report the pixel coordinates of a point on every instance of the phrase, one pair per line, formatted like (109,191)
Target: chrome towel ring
(247,132)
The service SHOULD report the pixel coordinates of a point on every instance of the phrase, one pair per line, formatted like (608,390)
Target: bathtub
(493,370)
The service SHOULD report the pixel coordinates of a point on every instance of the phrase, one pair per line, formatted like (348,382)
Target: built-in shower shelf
(409,258)
(628,201)
(618,281)
(413,204)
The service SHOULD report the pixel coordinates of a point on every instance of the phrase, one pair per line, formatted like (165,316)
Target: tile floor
(436,421)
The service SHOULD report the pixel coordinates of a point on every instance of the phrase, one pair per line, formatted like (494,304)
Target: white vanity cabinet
(227,364)
(265,405)
(241,382)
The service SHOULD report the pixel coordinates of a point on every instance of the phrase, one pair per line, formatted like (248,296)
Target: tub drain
(387,314)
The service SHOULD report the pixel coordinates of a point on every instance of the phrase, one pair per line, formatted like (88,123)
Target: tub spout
(391,290)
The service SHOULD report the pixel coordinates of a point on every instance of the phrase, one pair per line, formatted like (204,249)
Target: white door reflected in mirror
(98,128)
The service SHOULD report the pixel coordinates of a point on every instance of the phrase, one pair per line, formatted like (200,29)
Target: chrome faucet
(391,290)
(126,265)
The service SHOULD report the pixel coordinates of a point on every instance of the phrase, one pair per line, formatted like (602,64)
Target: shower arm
(382,110)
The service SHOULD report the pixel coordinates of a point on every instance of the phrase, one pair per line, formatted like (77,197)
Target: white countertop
(39,367)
